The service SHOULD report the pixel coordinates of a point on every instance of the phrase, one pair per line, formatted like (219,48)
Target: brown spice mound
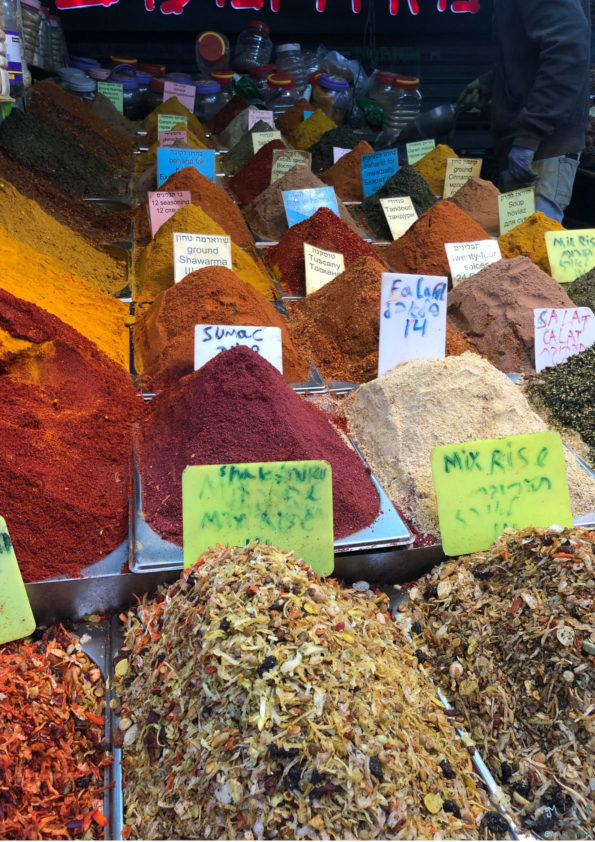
(290,120)
(479,199)
(457,343)
(224,117)
(346,175)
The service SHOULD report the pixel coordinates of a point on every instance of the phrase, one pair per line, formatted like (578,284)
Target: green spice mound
(405,182)
(582,291)
(509,636)
(568,392)
(322,150)
(259,701)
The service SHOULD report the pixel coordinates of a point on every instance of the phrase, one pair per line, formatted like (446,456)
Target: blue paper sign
(307,114)
(377,168)
(301,204)
(170,160)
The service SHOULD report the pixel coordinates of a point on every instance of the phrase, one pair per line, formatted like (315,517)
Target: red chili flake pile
(255,176)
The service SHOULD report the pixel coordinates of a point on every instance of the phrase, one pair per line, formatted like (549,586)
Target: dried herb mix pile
(262,702)
(322,150)
(242,152)
(509,635)
(405,182)
(582,291)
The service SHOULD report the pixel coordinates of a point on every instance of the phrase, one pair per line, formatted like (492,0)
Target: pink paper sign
(185,93)
(162,205)
(170,138)
(256,115)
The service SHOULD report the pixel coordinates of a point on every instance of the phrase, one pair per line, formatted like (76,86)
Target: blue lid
(143,78)
(203,86)
(332,83)
(129,83)
(83,63)
(184,78)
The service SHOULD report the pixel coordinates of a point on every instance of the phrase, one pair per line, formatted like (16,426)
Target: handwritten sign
(515,207)
(286,159)
(466,259)
(166,122)
(400,214)
(256,115)
(417,150)
(170,138)
(561,333)
(338,153)
(458,172)
(377,168)
(288,504)
(302,204)
(162,204)
(321,266)
(171,160)
(260,139)
(114,92)
(16,617)
(194,251)
(186,94)
(210,340)
(412,319)
(485,486)
(571,253)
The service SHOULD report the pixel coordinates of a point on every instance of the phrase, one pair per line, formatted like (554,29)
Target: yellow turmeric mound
(311,130)
(432,167)
(528,238)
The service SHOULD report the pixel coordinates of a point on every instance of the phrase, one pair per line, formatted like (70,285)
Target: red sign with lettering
(176,7)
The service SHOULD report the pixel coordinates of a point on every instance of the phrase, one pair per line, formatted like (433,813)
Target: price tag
(400,214)
(195,251)
(561,333)
(485,486)
(256,115)
(338,153)
(377,168)
(571,253)
(169,138)
(210,340)
(171,160)
(412,319)
(162,205)
(321,266)
(288,504)
(186,94)
(114,92)
(301,204)
(416,151)
(466,259)
(515,207)
(16,617)
(307,114)
(458,172)
(260,139)
(286,159)
(166,122)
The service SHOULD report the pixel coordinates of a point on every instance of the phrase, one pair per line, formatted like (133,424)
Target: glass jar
(152,69)
(132,100)
(9,23)
(44,41)
(253,47)
(333,96)
(260,76)
(284,93)
(212,52)
(224,78)
(143,80)
(57,42)
(154,95)
(380,87)
(403,104)
(209,99)
(115,61)
(31,19)
(289,60)
(85,88)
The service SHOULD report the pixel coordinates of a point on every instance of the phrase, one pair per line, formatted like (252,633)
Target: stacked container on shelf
(253,47)
(209,100)
(212,53)
(284,93)
(290,60)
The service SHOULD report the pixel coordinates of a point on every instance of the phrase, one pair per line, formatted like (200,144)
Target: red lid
(263,70)
(281,80)
(222,75)
(45,10)
(259,24)
(406,82)
(315,76)
(153,69)
(156,84)
(211,46)
(385,78)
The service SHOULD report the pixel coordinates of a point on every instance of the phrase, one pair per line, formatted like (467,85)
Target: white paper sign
(466,259)
(400,214)
(515,207)
(260,139)
(561,333)
(256,115)
(210,340)
(195,251)
(338,153)
(285,159)
(412,319)
(163,204)
(321,266)
(458,172)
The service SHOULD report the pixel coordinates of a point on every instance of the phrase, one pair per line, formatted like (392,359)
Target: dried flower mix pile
(509,636)
(259,701)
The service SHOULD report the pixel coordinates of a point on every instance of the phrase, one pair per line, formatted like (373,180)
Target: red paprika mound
(238,408)
(255,176)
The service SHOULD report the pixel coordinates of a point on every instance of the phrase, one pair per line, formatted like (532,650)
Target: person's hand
(475,95)
(520,161)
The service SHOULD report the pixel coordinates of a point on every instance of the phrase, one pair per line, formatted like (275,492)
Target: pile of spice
(154,267)
(322,151)
(405,182)
(24,221)
(44,282)
(52,736)
(421,248)
(479,199)
(238,408)
(68,414)
(309,131)
(568,393)
(494,308)
(164,332)
(196,136)
(255,175)
(509,636)
(290,120)
(236,129)
(325,729)
(325,230)
(239,155)
(346,175)
(174,106)
(224,117)
(528,239)
(148,158)
(57,157)
(582,291)
(399,418)
(101,106)
(266,214)
(432,167)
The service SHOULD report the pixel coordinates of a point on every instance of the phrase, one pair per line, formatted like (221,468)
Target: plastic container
(30,10)
(116,61)
(85,88)
(403,104)
(209,99)
(152,69)
(284,93)
(132,100)
(100,74)
(43,57)
(59,49)
(212,52)
(225,79)
(180,78)
(333,95)
(290,60)
(154,95)
(260,76)
(253,47)
(83,63)
(9,23)
(380,87)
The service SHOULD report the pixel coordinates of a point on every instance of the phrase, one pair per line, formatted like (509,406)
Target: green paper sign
(483,487)
(288,504)
(16,617)
(570,253)
(166,122)
(114,92)
(417,150)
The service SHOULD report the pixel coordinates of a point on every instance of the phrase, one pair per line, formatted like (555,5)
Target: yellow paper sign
(483,487)
(321,266)
(288,504)
(260,139)
(400,214)
(515,207)
(16,617)
(459,171)
(571,253)
(286,159)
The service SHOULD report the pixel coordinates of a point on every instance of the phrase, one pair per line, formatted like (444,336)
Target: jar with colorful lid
(253,47)
(154,95)
(100,74)
(225,79)
(212,52)
(83,63)
(209,99)
(132,100)
(115,61)
(380,87)
(152,69)
(333,95)
(289,60)
(284,93)
(84,88)
(260,77)
(402,105)
(180,78)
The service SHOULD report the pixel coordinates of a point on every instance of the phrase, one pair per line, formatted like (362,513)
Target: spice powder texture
(405,182)
(254,176)
(479,199)
(243,151)
(528,239)
(311,130)
(346,175)
(238,408)
(224,117)
(432,167)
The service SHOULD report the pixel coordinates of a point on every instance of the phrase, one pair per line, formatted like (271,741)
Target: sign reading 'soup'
(561,333)
(484,487)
